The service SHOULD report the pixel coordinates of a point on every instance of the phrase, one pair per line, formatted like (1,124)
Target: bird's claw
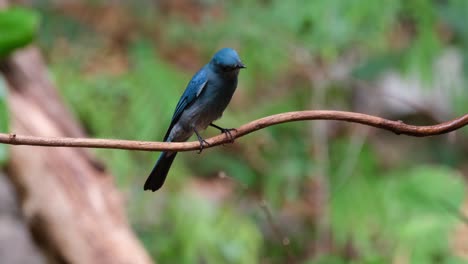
(203,144)
(228,133)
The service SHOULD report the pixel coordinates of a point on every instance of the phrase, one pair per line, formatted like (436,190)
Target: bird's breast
(210,105)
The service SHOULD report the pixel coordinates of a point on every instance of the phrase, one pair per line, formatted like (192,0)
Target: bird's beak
(241,65)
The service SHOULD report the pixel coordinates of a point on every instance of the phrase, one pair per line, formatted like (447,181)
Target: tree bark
(70,201)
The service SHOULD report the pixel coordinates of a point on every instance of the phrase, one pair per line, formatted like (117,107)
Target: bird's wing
(193,90)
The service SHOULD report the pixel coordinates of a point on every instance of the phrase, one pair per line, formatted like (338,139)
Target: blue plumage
(207,95)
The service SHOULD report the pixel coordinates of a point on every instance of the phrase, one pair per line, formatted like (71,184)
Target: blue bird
(204,100)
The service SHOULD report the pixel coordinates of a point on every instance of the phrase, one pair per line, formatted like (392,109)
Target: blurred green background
(305,192)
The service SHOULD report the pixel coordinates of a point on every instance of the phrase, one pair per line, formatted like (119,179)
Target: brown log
(73,206)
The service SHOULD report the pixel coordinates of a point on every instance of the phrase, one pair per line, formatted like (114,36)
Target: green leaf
(430,197)
(413,210)
(18,27)
(204,231)
(3,119)
(373,67)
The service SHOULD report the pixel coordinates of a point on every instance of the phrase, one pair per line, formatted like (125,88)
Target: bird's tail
(158,174)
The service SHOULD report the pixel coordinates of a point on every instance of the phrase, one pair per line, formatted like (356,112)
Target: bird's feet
(226,131)
(203,143)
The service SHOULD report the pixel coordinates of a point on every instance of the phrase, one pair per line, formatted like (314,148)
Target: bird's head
(227,60)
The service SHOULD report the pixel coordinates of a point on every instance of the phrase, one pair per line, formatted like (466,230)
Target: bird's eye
(226,68)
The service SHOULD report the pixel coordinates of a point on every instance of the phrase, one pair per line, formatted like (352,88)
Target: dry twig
(398,127)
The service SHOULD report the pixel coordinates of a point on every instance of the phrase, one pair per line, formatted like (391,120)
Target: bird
(204,100)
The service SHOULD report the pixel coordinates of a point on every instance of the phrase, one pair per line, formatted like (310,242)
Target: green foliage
(430,198)
(324,29)
(409,212)
(200,231)
(426,43)
(454,15)
(3,119)
(18,27)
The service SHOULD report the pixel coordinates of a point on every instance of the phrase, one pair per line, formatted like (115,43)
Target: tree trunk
(76,213)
